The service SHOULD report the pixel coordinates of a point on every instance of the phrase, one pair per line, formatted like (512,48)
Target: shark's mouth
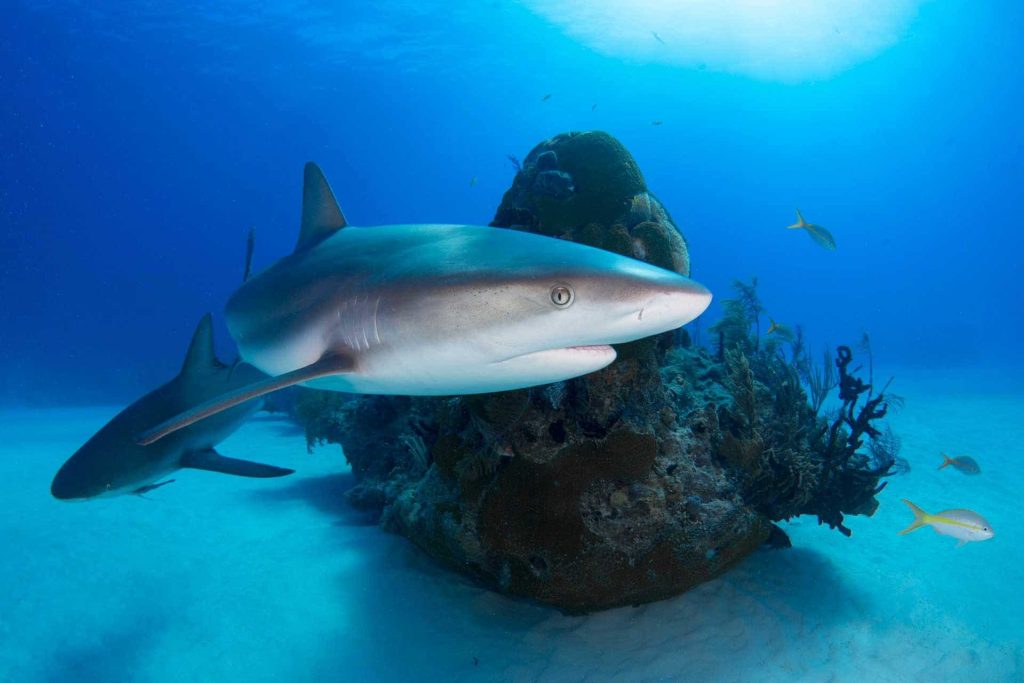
(597,348)
(597,355)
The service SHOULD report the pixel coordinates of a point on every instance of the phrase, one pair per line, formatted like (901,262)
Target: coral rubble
(633,483)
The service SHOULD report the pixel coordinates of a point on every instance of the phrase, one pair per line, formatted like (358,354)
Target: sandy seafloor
(225,579)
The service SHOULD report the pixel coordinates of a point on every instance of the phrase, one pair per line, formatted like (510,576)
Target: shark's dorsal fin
(200,356)
(321,215)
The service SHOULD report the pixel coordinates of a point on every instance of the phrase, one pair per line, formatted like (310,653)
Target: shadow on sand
(115,655)
(325,492)
(403,595)
(398,594)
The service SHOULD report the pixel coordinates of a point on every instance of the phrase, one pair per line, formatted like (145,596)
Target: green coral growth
(790,460)
(739,326)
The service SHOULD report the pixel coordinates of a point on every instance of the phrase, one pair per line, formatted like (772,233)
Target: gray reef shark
(112,463)
(429,310)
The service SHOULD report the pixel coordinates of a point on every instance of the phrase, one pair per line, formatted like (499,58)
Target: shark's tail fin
(920,517)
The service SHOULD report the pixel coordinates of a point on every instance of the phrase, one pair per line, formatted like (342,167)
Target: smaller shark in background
(111,463)
(821,236)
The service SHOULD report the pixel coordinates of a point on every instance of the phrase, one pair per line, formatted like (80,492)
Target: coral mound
(628,485)
(587,188)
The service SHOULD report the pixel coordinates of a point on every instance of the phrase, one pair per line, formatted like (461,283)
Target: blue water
(139,145)
(140,142)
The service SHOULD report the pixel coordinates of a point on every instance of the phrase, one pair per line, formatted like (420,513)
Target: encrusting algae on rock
(631,484)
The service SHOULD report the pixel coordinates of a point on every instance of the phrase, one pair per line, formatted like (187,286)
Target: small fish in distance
(820,235)
(964,463)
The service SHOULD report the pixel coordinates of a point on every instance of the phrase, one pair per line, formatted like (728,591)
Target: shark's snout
(75,481)
(675,306)
(666,302)
(632,308)
(63,488)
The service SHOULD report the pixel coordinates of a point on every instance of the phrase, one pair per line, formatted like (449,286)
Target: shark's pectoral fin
(151,487)
(328,365)
(212,461)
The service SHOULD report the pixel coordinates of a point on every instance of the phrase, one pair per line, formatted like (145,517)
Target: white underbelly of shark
(453,374)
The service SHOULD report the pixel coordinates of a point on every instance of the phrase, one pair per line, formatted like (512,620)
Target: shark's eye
(561,296)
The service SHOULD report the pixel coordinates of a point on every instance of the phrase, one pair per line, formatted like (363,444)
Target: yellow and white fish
(820,235)
(963,525)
